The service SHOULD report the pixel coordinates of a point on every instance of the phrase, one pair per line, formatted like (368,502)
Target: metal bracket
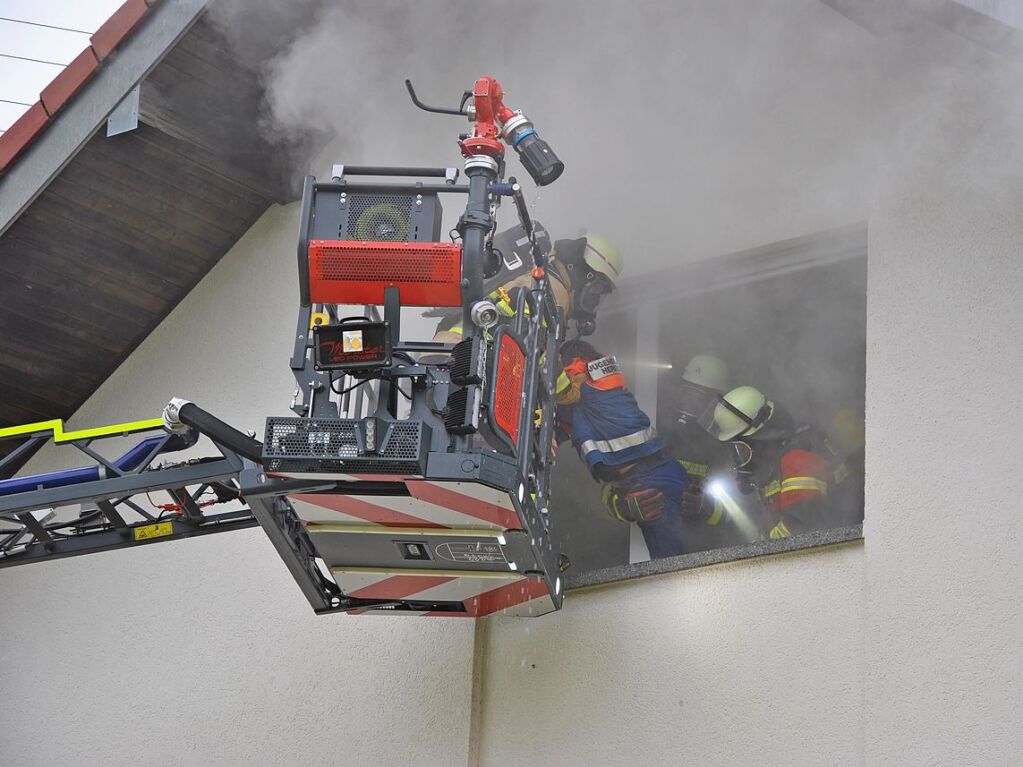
(125,116)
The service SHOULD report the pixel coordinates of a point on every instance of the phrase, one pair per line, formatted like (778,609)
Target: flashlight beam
(734,510)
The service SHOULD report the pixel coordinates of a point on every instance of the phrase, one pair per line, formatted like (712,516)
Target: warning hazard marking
(158,530)
(478,553)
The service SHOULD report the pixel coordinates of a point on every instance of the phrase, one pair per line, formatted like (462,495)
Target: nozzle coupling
(484,314)
(536,155)
(172,415)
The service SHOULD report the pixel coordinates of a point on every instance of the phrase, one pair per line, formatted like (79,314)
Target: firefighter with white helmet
(707,371)
(791,466)
(706,460)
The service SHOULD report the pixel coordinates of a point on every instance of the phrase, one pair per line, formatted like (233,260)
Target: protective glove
(744,482)
(699,505)
(695,502)
(632,505)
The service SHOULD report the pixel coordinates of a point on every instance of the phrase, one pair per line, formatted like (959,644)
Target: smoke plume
(689,129)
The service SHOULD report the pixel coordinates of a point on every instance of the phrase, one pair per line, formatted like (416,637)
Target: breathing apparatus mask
(587,285)
(694,402)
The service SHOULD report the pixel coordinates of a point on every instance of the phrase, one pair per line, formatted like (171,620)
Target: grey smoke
(689,129)
(675,145)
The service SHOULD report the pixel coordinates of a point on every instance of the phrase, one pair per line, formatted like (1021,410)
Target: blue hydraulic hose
(130,461)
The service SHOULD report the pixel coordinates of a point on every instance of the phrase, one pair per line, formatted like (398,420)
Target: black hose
(221,433)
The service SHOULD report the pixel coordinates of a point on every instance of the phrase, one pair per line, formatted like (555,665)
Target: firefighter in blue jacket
(640,482)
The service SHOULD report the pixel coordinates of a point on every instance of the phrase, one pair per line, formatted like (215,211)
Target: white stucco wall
(746,663)
(944,672)
(204,651)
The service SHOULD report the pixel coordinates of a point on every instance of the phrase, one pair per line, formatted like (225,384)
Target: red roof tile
(117,27)
(73,77)
(20,135)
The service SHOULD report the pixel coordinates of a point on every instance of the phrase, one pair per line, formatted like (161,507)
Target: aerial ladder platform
(412,477)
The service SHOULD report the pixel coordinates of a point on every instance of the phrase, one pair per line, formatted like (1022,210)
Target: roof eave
(165,23)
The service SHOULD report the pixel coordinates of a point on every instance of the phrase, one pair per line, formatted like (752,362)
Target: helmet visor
(694,401)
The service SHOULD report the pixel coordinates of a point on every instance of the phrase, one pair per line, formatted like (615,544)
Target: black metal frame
(289,537)
(524,473)
(118,520)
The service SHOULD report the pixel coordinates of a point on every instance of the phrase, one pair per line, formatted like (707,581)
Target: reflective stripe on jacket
(694,468)
(804,477)
(606,423)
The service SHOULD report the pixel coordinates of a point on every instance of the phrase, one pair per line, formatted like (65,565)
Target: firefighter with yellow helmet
(581,271)
(790,466)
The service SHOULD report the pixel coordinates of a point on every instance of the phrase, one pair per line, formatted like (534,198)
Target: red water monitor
(494,121)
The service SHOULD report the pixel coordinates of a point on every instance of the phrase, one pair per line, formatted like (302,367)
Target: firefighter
(640,482)
(581,271)
(847,437)
(791,466)
(705,459)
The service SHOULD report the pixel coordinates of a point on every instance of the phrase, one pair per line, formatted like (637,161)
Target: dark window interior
(798,336)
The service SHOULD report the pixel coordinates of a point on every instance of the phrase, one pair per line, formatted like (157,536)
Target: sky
(22,81)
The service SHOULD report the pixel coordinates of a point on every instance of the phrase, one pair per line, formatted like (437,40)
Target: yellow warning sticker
(156,530)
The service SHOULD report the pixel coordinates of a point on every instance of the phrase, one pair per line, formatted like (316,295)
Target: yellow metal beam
(56,427)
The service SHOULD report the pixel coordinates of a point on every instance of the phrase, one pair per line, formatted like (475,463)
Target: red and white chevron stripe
(464,505)
(482,593)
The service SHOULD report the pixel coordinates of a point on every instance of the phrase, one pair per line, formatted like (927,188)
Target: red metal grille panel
(356,272)
(511,368)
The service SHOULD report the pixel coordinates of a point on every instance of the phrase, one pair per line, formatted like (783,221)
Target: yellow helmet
(741,412)
(602,257)
(847,428)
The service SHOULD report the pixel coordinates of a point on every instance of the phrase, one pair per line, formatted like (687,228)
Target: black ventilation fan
(384,222)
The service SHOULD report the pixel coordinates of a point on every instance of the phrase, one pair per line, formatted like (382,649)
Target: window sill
(813,540)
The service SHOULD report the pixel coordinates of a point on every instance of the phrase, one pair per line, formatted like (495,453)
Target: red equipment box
(356,272)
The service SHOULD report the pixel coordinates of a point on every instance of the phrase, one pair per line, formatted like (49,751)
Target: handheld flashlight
(718,490)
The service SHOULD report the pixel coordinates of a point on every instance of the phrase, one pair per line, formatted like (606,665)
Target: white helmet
(603,257)
(741,412)
(707,370)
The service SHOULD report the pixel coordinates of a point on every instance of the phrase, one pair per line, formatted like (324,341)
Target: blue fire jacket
(604,420)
